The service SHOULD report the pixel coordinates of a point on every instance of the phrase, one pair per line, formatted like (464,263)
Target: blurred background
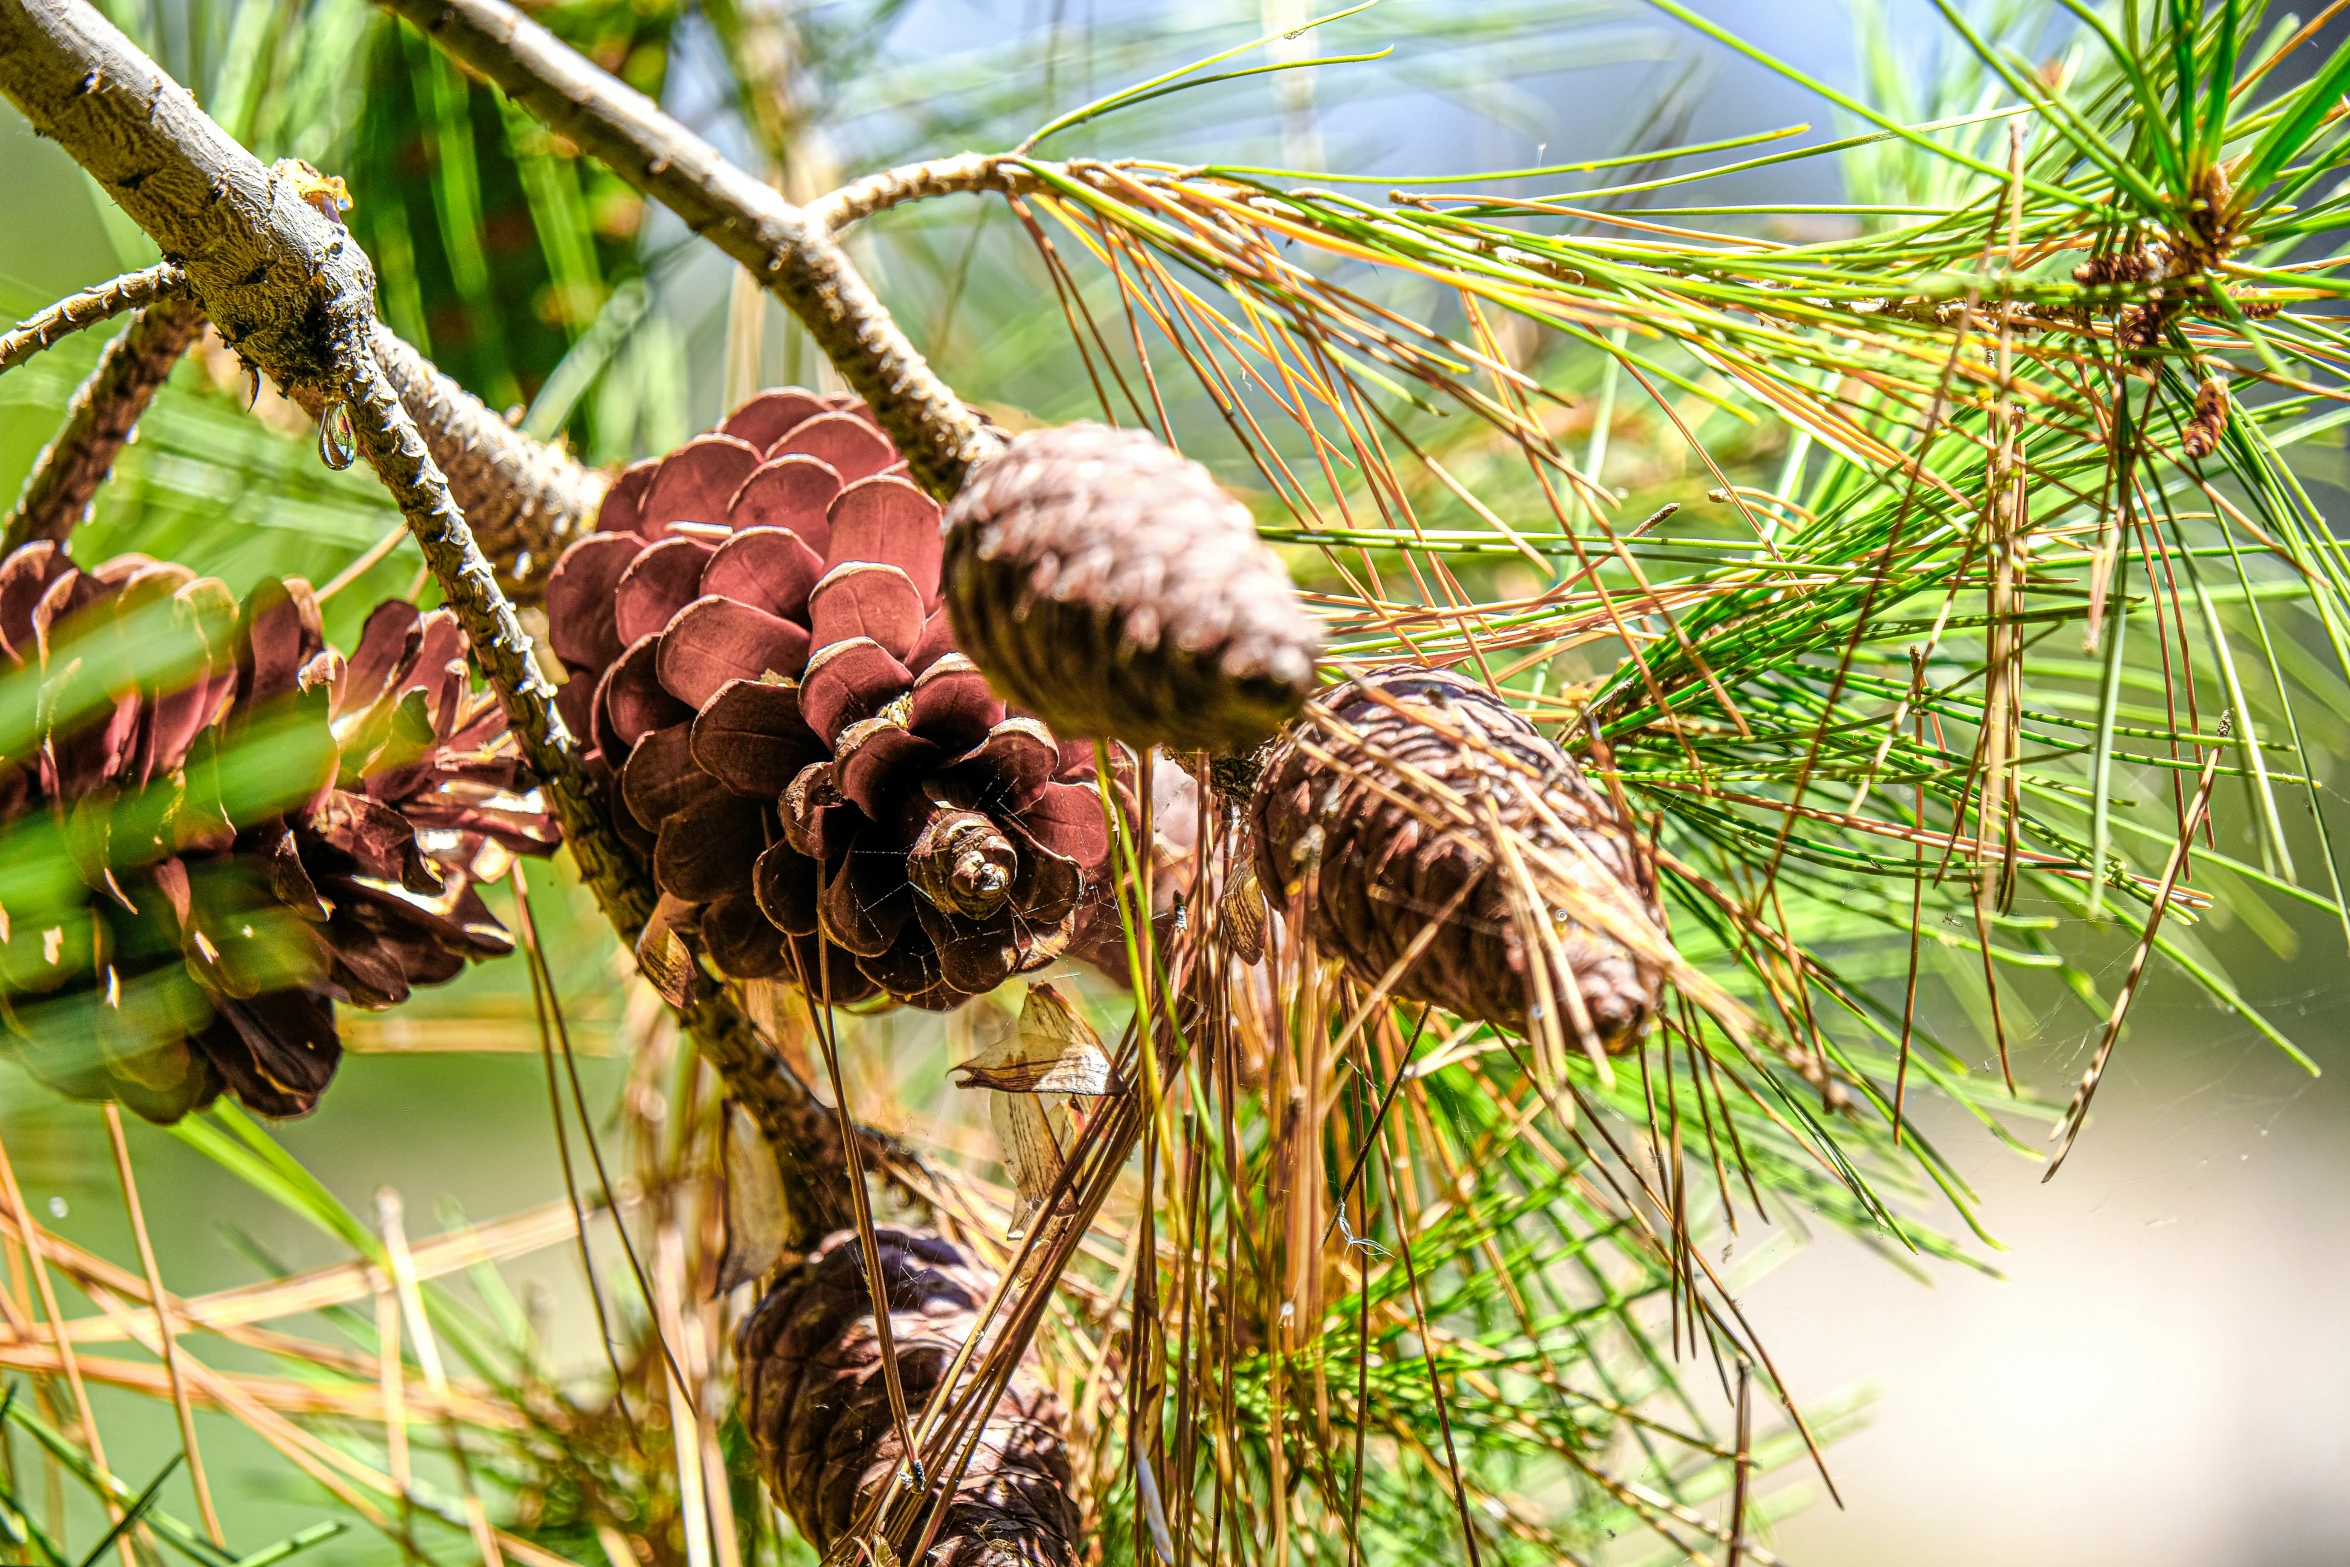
(2153,1375)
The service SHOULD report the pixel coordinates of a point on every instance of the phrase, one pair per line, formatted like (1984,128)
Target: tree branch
(292,292)
(79,312)
(104,411)
(524,499)
(792,254)
(799,1128)
(862,198)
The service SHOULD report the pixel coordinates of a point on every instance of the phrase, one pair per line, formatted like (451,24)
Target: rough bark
(272,269)
(524,499)
(79,312)
(291,291)
(99,421)
(790,253)
(878,192)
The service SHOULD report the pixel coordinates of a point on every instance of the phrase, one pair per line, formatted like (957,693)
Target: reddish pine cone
(1384,871)
(758,656)
(817,1408)
(1112,587)
(226,897)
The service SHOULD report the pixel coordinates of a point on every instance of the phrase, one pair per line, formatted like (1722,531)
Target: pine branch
(785,247)
(99,421)
(212,214)
(878,192)
(292,292)
(79,312)
(524,499)
(799,1128)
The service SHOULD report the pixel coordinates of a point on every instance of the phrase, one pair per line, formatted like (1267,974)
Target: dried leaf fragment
(1034,1133)
(758,1218)
(661,952)
(1035,1074)
(1053,1050)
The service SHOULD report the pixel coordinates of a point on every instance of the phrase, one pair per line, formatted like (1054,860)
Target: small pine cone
(817,1407)
(1379,870)
(2201,435)
(2126,266)
(1112,587)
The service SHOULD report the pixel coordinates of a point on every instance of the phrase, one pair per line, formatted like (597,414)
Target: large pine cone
(256,828)
(757,653)
(818,1411)
(1386,869)
(1113,587)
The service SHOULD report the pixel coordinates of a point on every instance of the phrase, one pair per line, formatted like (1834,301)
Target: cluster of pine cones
(773,677)
(758,655)
(771,681)
(227,827)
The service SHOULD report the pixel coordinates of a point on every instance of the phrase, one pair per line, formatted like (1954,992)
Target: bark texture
(1362,815)
(524,499)
(79,312)
(1112,587)
(793,256)
(818,1410)
(292,292)
(283,283)
(878,192)
(287,288)
(99,421)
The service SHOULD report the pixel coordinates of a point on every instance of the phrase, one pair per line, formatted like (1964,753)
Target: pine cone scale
(817,1409)
(757,642)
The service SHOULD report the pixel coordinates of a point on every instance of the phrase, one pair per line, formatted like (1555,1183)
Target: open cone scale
(758,653)
(261,831)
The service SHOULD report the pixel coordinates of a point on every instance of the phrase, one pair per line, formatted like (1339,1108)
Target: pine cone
(1381,870)
(771,685)
(225,895)
(1111,586)
(817,1408)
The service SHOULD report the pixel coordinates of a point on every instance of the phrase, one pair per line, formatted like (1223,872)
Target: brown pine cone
(817,1408)
(758,655)
(2201,435)
(1112,587)
(258,829)
(1381,870)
